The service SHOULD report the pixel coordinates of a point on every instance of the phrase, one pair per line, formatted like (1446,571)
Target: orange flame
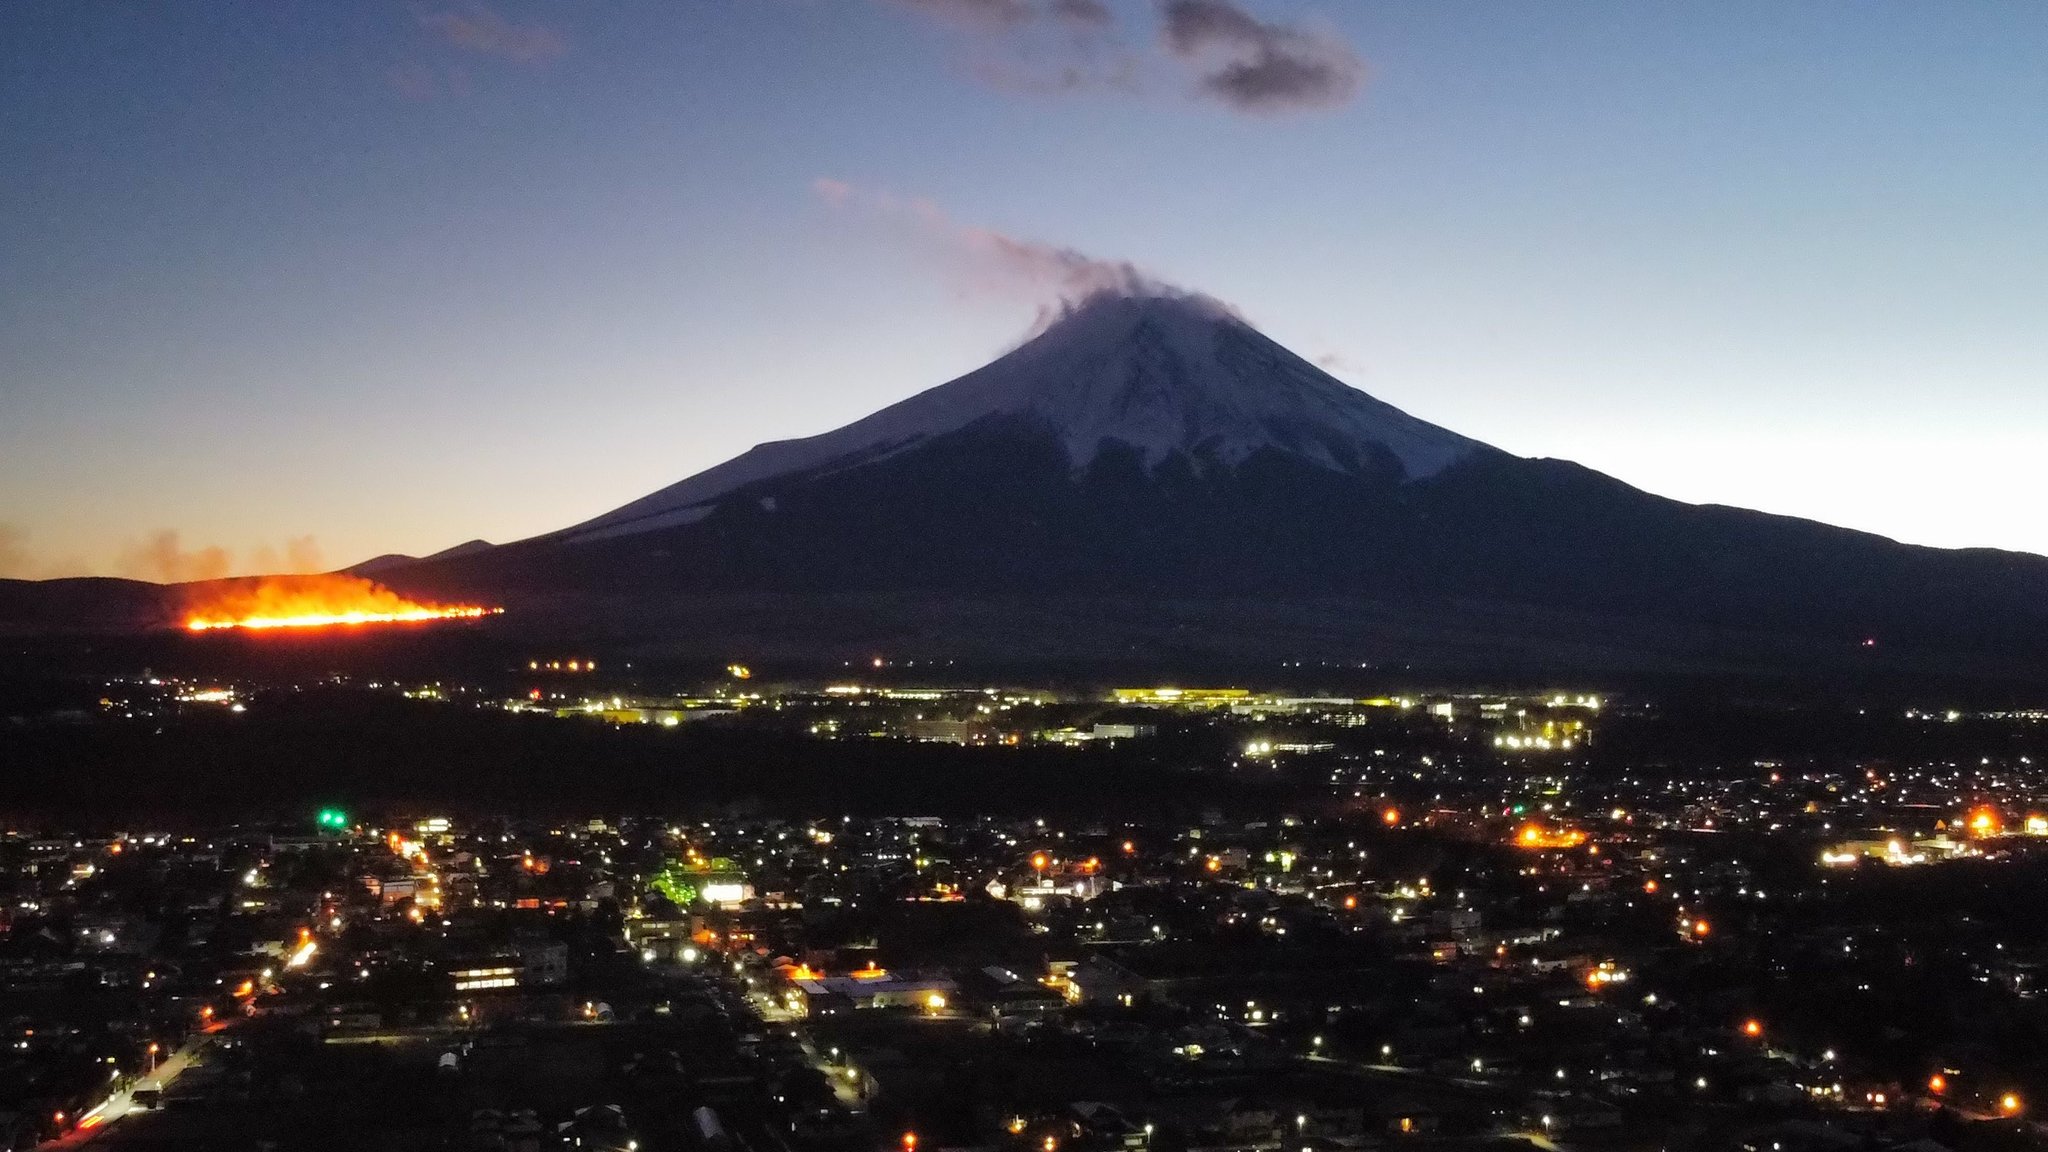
(313,602)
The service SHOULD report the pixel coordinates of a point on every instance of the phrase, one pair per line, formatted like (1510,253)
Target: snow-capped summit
(1161,374)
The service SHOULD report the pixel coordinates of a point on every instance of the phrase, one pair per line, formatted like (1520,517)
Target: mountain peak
(1163,304)
(1162,374)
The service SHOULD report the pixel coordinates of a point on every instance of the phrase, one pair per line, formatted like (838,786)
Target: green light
(676,884)
(333,818)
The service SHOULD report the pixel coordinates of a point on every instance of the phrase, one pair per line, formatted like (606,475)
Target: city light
(1536,836)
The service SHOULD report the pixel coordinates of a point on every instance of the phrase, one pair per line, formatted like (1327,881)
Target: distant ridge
(377,564)
(1151,478)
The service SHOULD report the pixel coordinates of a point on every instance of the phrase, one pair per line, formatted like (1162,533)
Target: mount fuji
(1151,480)
(1158,377)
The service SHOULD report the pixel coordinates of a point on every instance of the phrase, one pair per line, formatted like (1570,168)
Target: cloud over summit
(1053,276)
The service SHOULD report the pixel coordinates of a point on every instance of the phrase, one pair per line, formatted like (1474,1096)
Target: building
(487,975)
(872,988)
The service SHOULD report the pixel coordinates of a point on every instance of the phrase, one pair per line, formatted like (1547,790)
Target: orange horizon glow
(321,601)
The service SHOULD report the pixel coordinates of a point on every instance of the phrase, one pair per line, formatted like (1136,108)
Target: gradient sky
(395,275)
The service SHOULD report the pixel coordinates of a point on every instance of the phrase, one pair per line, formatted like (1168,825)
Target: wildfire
(314,602)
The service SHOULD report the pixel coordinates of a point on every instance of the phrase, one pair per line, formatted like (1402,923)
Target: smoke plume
(164,559)
(15,561)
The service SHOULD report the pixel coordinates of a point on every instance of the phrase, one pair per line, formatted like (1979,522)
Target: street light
(153,1050)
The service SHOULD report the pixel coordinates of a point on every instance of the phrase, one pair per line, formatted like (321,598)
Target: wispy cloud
(1051,276)
(1235,59)
(1035,47)
(974,13)
(476,27)
(1083,13)
(833,192)
(1258,66)
(460,35)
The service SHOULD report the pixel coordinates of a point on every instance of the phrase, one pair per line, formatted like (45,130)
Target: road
(95,1123)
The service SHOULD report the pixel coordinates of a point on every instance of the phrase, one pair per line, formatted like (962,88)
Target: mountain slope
(1150,478)
(1161,375)
(1159,451)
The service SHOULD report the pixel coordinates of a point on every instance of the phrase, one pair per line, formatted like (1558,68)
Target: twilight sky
(303,281)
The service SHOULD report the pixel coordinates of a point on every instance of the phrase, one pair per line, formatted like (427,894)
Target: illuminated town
(1446,918)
